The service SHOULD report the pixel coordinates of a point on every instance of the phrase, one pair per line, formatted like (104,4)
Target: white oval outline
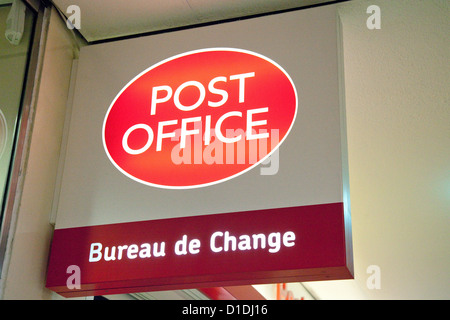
(179,56)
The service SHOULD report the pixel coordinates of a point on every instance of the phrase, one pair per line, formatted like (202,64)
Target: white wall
(398,117)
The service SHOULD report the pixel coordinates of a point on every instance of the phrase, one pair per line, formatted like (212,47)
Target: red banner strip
(305,243)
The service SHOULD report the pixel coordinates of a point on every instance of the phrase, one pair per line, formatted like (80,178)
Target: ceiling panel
(102,19)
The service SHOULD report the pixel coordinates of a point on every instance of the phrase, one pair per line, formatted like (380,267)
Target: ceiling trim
(203,24)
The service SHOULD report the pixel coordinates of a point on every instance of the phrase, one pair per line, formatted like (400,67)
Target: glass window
(16,33)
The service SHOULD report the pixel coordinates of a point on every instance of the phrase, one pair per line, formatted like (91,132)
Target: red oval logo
(199,118)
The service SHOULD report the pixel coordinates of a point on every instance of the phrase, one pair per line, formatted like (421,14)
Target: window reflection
(16,29)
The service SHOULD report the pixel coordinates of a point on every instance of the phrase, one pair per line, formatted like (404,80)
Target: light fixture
(15,22)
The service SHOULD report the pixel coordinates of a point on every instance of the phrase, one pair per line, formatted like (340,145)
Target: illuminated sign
(162,184)
(261,246)
(228,109)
